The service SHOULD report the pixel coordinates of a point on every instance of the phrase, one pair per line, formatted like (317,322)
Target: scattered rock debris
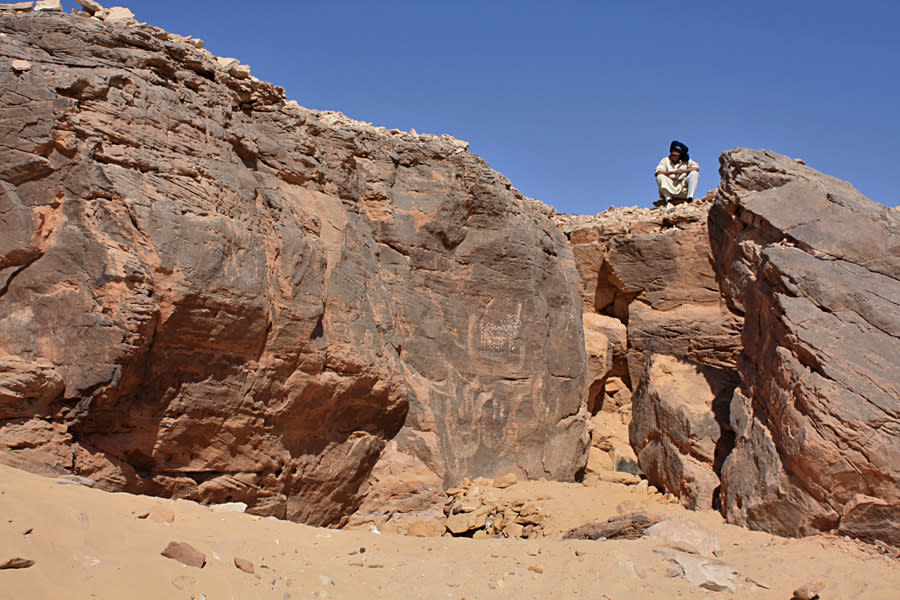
(473,511)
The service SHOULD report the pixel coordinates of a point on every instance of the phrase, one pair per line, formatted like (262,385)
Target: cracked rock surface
(207,291)
(654,310)
(814,267)
(762,346)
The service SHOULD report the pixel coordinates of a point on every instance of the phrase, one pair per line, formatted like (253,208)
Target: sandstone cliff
(209,291)
(652,297)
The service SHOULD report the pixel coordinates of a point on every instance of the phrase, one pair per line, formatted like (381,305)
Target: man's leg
(693,178)
(661,181)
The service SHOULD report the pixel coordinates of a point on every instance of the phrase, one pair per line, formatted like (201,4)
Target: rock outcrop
(209,291)
(651,296)
(651,270)
(814,268)
(762,356)
(680,429)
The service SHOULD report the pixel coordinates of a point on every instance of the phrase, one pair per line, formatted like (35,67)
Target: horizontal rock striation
(814,268)
(208,291)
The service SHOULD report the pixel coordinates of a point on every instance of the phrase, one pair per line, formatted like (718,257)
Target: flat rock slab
(710,574)
(76,480)
(686,532)
(625,527)
(185,553)
(89,5)
(16,563)
(232,507)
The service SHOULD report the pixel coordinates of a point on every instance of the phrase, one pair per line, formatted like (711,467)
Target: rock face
(651,270)
(814,267)
(208,291)
(679,427)
(671,343)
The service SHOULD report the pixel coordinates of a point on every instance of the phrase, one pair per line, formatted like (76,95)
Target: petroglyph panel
(482,427)
(496,341)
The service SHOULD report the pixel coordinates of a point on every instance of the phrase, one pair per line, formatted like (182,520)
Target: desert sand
(86,543)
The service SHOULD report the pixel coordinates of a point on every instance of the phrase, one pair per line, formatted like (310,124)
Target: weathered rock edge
(814,268)
(661,340)
(209,291)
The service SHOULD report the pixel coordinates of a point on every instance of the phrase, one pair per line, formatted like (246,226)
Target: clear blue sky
(576,102)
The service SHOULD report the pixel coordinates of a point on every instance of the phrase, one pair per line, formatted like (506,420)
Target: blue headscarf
(676,145)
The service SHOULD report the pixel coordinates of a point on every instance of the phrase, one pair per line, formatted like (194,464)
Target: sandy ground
(86,543)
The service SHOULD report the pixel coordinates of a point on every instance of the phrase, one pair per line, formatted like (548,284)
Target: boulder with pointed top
(814,267)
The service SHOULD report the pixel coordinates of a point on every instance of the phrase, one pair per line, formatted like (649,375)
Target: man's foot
(690,199)
(661,202)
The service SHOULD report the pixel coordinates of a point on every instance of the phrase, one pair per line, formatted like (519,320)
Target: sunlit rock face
(814,267)
(660,338)
(209,292)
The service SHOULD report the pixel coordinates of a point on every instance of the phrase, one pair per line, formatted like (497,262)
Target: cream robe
(674,188)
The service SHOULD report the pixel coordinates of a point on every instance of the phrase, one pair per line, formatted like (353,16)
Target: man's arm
(678,171)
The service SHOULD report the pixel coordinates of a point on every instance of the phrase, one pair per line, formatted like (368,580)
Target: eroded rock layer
(207,291)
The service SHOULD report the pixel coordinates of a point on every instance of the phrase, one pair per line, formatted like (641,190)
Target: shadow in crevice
(721,407)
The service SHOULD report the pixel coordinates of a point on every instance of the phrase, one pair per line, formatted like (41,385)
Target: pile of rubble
(252,92)
(116,14)
(119,15)
(473,511)
(632,220)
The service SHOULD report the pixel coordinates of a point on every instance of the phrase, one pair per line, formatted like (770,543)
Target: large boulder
(814,268)
(680,428)
(209,291)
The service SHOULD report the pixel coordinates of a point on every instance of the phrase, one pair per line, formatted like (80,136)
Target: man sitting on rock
(676,176)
